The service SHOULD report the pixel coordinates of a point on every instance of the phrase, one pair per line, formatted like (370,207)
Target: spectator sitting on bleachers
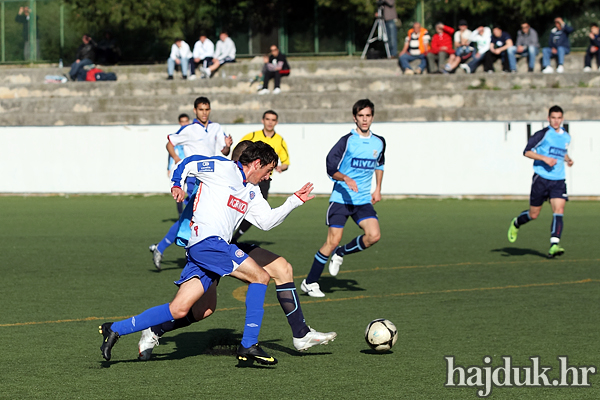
(593,49)
(462,44)
(86,54)
(501,47)
(224,53)
(275,67)
(441,48)
(527,44)
(202,56)
(559,46)
(180,55)
(416,45)
(482,36)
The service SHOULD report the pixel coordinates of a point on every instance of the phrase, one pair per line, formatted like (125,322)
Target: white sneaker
(263,91)
(157,257)
(207,72)
(313,338)
(192,77)
(466,68)
(312,289)
(276,90)
(548,70)
(560,69)
(587,69)
(147,343)
(335,263)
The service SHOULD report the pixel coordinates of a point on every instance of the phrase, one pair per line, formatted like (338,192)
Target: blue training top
(357,157)
(550,143)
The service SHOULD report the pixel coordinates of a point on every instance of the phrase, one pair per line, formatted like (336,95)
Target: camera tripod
(379,26)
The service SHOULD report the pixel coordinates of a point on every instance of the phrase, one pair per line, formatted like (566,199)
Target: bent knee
(371,239)
(262,277)
(178,312)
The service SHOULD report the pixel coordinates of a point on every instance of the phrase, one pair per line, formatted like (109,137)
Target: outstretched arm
(264,217)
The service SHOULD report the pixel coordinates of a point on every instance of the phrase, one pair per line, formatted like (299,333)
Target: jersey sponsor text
(237,204)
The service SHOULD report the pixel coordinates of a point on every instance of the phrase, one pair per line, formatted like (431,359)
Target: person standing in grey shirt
(527,44)
(390,16)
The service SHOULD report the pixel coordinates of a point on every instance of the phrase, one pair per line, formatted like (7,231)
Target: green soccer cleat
(555,250)
(513,231)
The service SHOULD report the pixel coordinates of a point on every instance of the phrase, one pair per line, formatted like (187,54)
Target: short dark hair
(594,25)
(554,109)
(239,149)
(362,104)
(259,151)
(177,39)
(183,116)
(201,100)
(270,112)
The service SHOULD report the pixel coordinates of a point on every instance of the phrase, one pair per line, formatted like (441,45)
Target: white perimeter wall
(445,158)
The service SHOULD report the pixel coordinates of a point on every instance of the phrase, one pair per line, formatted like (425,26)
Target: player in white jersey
(281,271)
(201,137)
(228,193)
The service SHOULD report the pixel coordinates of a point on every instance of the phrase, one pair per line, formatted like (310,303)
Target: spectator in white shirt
(204,51)
(224,53)
(180,55)
(482,36)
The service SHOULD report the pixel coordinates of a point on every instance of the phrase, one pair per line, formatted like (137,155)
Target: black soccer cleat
(110,339)
(255,352)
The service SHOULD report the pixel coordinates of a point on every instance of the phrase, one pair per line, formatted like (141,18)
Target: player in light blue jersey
(548,148)
(351,164)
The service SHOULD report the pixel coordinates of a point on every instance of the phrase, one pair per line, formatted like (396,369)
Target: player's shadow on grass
(167,265)
(173,220)
(330,284)
(514,251)
(376,353)
(259,243)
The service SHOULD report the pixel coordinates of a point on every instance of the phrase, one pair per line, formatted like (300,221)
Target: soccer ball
(381,334)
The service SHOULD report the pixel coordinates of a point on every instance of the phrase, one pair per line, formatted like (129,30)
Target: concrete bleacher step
(350,83)
(319,90)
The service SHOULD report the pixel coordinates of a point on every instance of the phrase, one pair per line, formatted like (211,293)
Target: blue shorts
(337,214)
(210,259)
(544,189)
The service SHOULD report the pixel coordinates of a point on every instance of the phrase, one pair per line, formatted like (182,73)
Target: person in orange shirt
(416,46)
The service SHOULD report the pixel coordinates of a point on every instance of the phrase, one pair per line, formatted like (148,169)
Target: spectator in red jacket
(441,48)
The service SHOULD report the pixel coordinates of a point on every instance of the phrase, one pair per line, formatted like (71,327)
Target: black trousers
(490,58)
(268,75)
(589,56)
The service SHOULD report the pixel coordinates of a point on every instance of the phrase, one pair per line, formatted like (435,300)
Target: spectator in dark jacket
(558,46)
(501,47)
(275,68)
(441,48)
(593,50)
(86,54)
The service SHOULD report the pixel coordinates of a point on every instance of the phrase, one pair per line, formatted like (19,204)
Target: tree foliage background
(145,29)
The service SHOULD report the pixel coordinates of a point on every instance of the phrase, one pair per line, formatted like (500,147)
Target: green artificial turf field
(443,272)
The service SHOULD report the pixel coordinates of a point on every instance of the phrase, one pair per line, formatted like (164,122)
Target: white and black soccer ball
(381,334)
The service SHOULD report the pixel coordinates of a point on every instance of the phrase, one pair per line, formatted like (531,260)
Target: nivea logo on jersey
(555,151)
(252,194)
(206,166)
(362,163)
(237,204)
